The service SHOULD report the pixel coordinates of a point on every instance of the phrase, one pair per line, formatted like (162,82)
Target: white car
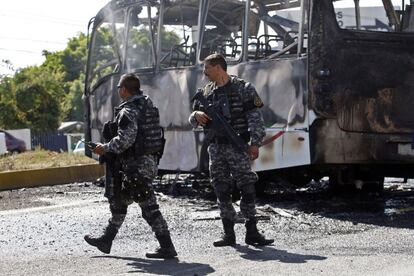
(79,148)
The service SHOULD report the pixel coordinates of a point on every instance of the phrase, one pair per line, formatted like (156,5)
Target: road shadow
(269,253)
(389,208)
(164,267)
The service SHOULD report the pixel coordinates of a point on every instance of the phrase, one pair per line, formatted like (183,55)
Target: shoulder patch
(258,102)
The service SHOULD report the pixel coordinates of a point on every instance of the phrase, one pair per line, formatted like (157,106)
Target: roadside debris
(315,186)
(279,211)
(239,217)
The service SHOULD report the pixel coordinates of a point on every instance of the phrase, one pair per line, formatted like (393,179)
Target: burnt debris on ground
(288,204)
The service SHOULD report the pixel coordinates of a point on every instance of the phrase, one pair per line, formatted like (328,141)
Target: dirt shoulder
(40,159)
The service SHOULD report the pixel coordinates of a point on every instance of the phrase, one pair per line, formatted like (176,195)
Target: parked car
(13,144)
(79,148)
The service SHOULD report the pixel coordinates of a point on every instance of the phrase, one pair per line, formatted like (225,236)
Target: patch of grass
(39,159)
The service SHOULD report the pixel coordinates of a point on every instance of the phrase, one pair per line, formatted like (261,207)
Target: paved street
(42,233)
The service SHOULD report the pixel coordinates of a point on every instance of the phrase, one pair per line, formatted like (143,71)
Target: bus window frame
(357,9)
(90,71)
(304,11)
(158,66)
(153,41)
(204,10)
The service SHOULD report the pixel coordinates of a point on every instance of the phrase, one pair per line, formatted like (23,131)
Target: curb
(50,176)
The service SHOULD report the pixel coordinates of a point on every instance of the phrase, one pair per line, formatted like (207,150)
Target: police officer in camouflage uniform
(240,105)
(138,170)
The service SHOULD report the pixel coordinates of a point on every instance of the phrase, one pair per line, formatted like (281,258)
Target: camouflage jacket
(252,103)
(126,117)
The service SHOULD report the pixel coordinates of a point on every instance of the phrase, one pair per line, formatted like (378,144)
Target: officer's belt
(223,140)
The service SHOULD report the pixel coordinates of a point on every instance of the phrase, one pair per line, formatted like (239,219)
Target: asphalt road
(42,231)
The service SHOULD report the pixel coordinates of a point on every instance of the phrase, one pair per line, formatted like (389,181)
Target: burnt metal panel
(336,146)
(364,79)
(280,83)
(282,87)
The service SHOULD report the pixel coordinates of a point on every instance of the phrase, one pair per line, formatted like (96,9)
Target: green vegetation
(41,97)
(40,159)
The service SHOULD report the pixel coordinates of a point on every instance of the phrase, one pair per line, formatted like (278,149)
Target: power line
(37,15)
(46,20)
(20,51)
(32,40)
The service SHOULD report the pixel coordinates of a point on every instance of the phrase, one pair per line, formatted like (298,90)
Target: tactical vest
(237,109)
(150,135)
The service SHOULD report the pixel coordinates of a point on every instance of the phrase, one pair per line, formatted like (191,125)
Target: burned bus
(336,78)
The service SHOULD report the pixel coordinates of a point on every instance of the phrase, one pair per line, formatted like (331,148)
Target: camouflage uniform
(227,163)
(142,168)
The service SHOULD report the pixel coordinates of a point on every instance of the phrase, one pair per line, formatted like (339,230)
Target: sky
(30,26)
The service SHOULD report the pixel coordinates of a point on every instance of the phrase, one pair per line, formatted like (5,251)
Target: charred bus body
(337,81)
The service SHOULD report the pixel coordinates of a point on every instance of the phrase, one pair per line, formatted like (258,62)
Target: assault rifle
(218,123)
(90,145)
(113,176)
(112,171)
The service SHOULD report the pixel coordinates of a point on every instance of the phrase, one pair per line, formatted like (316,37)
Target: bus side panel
(282,86)
(171,91)
(386,155)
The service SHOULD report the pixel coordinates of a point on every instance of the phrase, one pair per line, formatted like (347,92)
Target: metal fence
(50,141)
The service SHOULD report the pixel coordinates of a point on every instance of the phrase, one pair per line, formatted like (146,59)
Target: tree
(30,99)
(39,106)
(52,81)
(72,105)
(71,61)
(40,97)
(10,116)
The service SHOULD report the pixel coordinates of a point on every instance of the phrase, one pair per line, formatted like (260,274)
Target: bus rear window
(378,15)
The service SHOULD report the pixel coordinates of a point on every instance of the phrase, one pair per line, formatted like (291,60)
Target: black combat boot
(104,242)
(229,237)
(166,249)
(253,237)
